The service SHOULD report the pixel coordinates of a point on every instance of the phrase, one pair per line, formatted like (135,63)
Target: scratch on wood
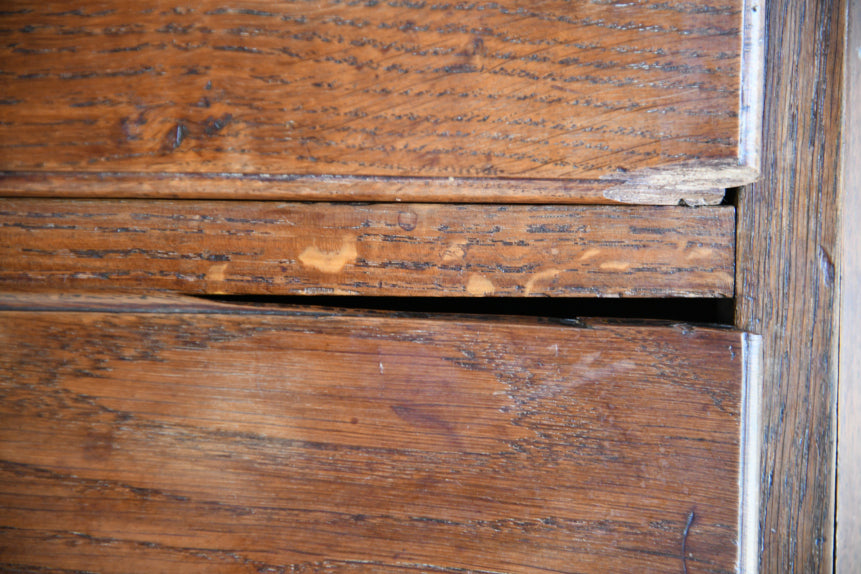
(685,541)
(179,134)
(700,253)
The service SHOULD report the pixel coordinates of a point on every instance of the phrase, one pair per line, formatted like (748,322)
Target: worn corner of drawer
(695,183)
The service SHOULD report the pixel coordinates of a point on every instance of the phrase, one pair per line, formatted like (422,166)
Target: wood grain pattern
(304,440)
(787,289)
(633,98)
(216,247)
(848,534)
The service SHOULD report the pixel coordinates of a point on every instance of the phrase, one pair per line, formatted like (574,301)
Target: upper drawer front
(616,98)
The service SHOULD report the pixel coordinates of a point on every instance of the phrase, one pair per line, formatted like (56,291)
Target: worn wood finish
(631,99)
(232,439)
(848,535)
(786,284)
(346,188)
(381,249)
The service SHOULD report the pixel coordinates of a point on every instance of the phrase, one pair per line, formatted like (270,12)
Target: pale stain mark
(330,261)
(700,253)
(589,254)
(216,272)
(540,276)
(479,286)
(454,252)
(615,266)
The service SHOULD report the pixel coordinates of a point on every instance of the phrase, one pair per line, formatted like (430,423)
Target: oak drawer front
(276,248)
(577,101)
(200,437)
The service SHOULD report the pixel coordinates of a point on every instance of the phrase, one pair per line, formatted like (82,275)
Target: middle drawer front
(274,248)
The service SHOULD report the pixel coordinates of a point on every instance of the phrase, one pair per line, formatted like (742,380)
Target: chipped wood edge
(748,476)
(285,187)
(752,85)
(691,183)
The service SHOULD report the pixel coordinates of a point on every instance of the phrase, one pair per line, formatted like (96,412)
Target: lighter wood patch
(480,286)
(540,276)
(589,254)
(615,266)
(216,272)
(454,252)
(330,261)
(700,253)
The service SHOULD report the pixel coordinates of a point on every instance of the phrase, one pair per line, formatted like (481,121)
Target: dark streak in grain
(180,132)
(685,534)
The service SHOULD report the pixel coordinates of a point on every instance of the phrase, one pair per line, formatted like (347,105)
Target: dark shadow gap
(693,310)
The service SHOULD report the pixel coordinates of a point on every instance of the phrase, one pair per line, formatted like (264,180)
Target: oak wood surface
(786,286)
(218,247)
(848,521)
(229,439)
(623,99)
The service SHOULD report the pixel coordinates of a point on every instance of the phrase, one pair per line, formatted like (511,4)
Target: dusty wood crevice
(563,311)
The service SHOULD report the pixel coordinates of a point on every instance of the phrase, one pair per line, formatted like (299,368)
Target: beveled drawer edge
(752,84)
(749,482)
(652,187)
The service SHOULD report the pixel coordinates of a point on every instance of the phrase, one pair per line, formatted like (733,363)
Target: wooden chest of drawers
(156,151)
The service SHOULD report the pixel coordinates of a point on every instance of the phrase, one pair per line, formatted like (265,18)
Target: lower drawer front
(218,438)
